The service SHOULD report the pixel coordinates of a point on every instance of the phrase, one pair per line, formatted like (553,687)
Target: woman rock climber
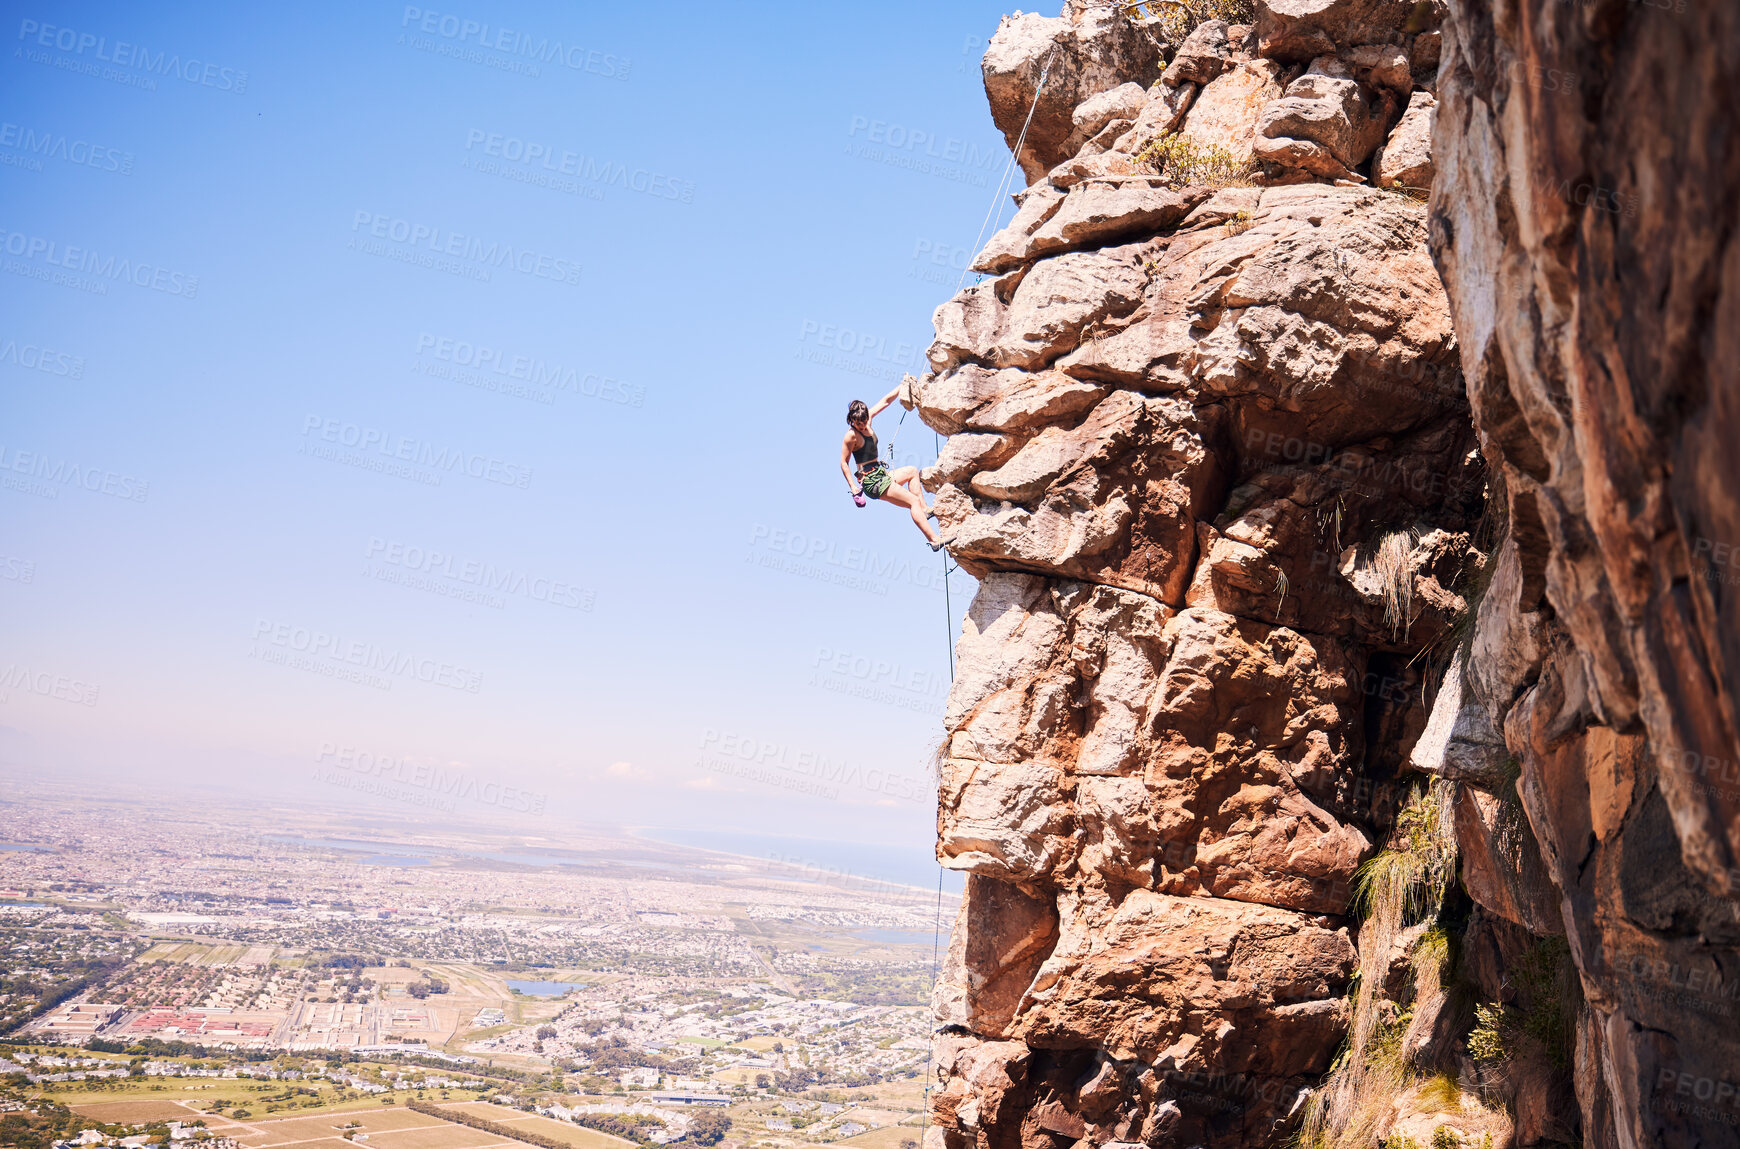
(873,478)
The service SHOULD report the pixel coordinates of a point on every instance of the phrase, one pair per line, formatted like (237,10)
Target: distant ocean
(906,864)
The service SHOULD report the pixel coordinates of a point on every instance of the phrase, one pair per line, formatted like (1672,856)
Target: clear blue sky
(247,249)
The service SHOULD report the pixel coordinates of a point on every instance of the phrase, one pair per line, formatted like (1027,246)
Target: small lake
(543,988)
(26,846)
(896,937)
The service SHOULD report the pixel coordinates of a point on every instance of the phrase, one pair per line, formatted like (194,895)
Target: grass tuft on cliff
(1186,163)
(1394,891)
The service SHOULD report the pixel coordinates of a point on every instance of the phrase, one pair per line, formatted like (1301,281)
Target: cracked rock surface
(1200,440)
(1288,494)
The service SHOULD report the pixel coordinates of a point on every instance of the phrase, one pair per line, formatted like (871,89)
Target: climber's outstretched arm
(883,403)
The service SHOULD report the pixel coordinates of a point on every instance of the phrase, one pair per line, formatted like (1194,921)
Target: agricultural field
(386,1126)
(574,1135)
(436,1135)
(215,955)
(132,1112)
(391,1127)
(201,1098)
(888,1137)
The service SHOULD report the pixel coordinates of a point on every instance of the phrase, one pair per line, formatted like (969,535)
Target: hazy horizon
(403,398)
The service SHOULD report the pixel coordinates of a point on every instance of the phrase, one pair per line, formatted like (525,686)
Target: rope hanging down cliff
(1014,155)
(948,605)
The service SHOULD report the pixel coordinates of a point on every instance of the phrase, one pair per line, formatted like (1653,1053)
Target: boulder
(1203,55)
(1093,213)
(1224,114)
(1009,248)
(1083,54)
(1124,102)
(1326,123)
(1060,298)
(1405,160)
(1162,113)
(1381,66)
(1001,936)
(1299,30)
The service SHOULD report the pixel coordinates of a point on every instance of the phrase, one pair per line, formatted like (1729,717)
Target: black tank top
(866,454)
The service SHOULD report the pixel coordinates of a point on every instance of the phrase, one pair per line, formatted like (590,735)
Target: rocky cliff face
(1305,755)
(1584,222)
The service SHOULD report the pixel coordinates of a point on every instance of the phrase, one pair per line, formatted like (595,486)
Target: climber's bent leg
(901,497)
(908,477)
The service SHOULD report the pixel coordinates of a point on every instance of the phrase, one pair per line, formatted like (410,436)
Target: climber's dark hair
(858,412)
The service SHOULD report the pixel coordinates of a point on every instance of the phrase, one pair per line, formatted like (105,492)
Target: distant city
(230,974)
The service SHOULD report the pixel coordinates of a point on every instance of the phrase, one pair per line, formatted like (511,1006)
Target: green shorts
(875,481)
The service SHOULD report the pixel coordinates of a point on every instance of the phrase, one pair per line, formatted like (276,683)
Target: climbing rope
(1009,166)
(948,598)
(894,439)
(936,923)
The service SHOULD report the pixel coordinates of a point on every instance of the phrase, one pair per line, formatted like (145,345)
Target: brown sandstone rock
(1203,55)
(1213,462)
(1325,122)
(1090,51)
(1581,220)
(1158,723)
(1224,114)
(1120,104)
(1298,30)
(1406,157)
